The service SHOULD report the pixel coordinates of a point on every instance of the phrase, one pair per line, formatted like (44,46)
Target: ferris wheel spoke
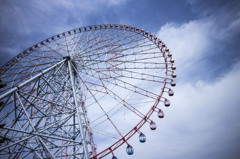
(99,87)
(120,100)
(106,133)
(126,104)
(88,41)
(95,94)
(52,50)
(74,45)
(111,43)
(110,50)
(116,54)
(141,76)
(138,61)
(22,74)
(98,103)
(147,53)
(134,88)
(128,61)
(115,96)
(25,66)
(126,85)
(114,59)
(103,41)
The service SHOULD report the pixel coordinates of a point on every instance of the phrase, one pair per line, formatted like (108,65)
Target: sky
(203,120)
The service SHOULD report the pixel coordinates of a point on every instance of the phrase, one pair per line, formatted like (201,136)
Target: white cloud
(79,6)
(188,43)
(201,122)
(54,16)
(203,119)
(193,42)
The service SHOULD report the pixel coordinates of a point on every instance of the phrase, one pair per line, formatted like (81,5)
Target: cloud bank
(203,121)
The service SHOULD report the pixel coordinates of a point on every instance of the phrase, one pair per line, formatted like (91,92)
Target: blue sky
(203,121)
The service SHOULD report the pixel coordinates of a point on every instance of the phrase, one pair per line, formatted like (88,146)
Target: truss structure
(89,86)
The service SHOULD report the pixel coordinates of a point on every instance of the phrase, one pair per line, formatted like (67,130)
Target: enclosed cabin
(170,92)
(142,138)
(160,114)
(153,125)
(167,103)
(129,150)
(173,83)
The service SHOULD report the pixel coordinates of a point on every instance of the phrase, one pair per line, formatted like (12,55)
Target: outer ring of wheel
(148,35)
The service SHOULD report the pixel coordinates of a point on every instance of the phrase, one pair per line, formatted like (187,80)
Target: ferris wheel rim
(144,33)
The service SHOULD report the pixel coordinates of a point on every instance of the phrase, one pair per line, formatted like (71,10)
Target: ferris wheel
(84,93)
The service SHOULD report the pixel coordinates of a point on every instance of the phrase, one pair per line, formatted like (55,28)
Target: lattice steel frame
(43,109)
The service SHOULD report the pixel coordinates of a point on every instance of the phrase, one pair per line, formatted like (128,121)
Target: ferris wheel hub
(67,57)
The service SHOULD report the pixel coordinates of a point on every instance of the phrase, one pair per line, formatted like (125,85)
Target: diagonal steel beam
(30,80)
(41,141)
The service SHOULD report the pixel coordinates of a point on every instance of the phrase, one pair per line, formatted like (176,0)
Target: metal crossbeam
(30,80)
